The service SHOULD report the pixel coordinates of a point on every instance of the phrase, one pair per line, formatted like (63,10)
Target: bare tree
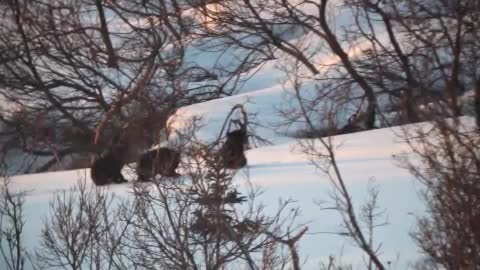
(73,235)
(446,161)
(12,221)
(391,56)
(80,71)
(419,55)
(270,28)
(358,222)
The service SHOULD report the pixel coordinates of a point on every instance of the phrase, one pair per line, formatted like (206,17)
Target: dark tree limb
(335,46)
(112,59)
(477,103)
(290,243)
(117,106)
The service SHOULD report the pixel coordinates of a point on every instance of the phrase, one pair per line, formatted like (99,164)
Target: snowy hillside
(283,172)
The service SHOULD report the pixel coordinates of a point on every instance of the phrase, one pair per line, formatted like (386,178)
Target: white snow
(282,171)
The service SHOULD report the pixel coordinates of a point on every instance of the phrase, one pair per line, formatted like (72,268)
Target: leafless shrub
(85,229)
(446,161)
(12,222)
(202,220)
(357,226)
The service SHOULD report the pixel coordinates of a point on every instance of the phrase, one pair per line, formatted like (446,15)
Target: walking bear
(232,153)
(163,161)
(107,168)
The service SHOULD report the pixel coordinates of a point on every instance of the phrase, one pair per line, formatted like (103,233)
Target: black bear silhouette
(107,168)
(163,161)
(232,152)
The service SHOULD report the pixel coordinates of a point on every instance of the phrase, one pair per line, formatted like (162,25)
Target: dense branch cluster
(74,74)
(101,78)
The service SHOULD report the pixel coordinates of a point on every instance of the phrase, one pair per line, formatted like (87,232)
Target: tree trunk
(408,106)
(335,46)
(477,103)
(371,115)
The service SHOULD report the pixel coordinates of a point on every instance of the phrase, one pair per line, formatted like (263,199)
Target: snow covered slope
(283,172)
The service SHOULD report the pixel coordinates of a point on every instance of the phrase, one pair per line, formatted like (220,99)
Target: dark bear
(107,168)
(232,152)
(163,161)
